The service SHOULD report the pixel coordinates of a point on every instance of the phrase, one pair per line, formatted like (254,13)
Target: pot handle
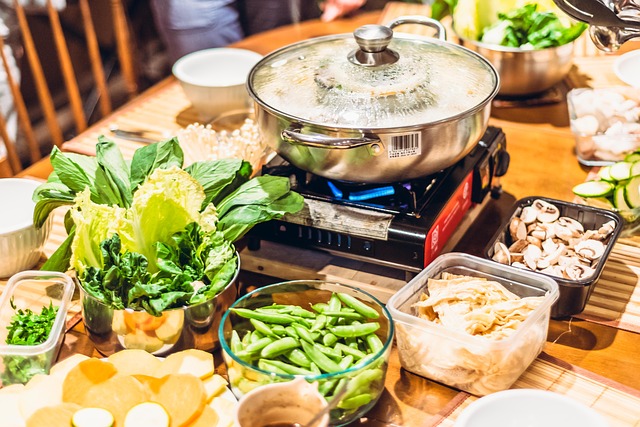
(292,135)
(441,33)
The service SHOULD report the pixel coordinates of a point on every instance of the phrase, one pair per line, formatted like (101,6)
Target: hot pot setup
(385,135)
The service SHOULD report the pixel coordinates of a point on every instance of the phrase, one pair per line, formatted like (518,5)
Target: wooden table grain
(542,163)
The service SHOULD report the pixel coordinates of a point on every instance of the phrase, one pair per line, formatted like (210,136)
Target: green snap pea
(255,336)
(350,351)
(359,306)
(334,305)
(304,334)
(320,359)
(374,343)
(278,329)
(262,327)
(278,347)
(291,331)
(246,340)
(343,314)
(329,339)
(319,323)
(331,352)
(362,381)
(314,368)
(320,307)
(282,319)
(298,357)
(301,312)
(268,365)
(327,386)
(289,369)
(258,345)
(355,330)
(234,342)
(355,401)
(346,362)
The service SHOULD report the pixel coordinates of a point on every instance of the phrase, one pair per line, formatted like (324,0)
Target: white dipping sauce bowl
(528,408)
(20,242)
(214,80)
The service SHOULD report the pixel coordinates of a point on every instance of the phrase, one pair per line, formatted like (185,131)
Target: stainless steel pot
(389,108)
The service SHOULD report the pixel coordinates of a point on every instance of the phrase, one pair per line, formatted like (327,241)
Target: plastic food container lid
(337,81)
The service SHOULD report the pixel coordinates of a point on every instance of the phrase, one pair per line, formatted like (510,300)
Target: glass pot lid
(373,79)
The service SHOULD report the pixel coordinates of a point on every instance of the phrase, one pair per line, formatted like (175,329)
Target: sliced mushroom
(577,272)
(572,224)
(501,253)
(590,249)
(534,241)
(531,255)
(517,229)
(607,228)
(549,246)
(529,214)
(547,212)
(553,257)
(518,246)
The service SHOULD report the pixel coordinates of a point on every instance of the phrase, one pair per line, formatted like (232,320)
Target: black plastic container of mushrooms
(566,241)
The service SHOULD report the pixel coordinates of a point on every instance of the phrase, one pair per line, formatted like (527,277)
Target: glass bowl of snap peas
(332,334)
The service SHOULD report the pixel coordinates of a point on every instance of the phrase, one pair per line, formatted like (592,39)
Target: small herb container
(32,290)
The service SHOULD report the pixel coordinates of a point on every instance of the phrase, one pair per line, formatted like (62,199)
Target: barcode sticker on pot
(405,145)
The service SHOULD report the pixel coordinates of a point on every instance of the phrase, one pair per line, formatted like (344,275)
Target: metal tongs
(608,30)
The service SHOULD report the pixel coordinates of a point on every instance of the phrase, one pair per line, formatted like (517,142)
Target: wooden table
(542,163)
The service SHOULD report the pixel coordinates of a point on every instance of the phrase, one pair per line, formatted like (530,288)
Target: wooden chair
(124,51)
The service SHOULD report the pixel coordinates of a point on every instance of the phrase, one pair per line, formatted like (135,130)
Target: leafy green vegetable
(528,28)
(150,235)
(442,8)
(27,328)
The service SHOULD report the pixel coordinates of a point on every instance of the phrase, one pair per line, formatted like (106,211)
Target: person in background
(186,26)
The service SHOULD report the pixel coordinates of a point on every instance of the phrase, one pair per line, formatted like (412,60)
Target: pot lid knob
(373,41)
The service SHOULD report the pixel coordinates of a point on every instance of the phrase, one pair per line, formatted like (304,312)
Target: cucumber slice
(632,157)
(620,171)
(594,189)
(632,192)
(605,173)
(147,414)
(635,169)
(619,201)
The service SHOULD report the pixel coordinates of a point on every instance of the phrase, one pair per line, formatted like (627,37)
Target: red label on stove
(446,223)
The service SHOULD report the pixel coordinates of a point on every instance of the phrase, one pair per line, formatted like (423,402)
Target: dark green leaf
(114,170)
(220,177)
(150,157)
(59,260)
(49,196)
(75,175)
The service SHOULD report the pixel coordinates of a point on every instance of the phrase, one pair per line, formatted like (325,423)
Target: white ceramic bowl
(627,68)
(214,80)
(528,407)
(20,242)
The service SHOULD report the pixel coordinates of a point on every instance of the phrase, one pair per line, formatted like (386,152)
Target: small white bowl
(20,242)
(627,68)
(214,80)
(528,407)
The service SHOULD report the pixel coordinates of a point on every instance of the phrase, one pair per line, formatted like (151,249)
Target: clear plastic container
(32,290)
(474,364)
(605,123)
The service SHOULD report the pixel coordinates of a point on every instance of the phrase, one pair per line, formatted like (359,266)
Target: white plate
(627,68)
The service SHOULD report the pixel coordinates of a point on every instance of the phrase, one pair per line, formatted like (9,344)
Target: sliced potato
(135,361)
(224,408)
(182,395)
(53,416)
(63,367)
(139,340)
(214,386)
(117,395)
(195,362)
(84,376)
(40,391)
(170,330)
(208,418)
(11,415)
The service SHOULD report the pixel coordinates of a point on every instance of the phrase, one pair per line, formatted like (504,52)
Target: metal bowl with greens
(148,236)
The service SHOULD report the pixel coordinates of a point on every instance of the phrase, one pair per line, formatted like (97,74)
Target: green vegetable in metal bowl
(148,234)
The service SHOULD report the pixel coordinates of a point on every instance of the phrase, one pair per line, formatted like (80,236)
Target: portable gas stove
(403,225)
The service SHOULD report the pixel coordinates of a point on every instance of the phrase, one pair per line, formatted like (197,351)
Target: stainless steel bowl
(525,72)
(194,326)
